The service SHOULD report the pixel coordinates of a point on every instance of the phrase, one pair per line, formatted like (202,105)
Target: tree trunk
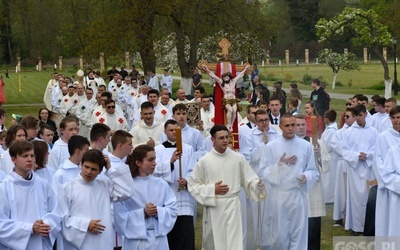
(145,43)
(334,80)
(388,88)
(5,27)
(388,81)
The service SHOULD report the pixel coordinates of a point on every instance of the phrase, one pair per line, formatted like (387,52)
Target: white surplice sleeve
(163,167)
(198,187)
(391,171)
(120,186)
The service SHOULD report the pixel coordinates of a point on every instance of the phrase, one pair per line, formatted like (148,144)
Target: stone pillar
(102,64)
(307,56)
(39,63)
(287,57)
(365,55)
(19,64)
(385,53)
(346,51)
(267,57)
(81,62)
(127,60)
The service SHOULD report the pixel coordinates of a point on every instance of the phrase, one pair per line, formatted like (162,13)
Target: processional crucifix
(224,65)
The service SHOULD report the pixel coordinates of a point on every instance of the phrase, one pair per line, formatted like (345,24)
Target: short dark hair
(394,110)
(330,115)
(120,136)
(76,142)
(200,88)
(108,101)
(106,94)
(300,116)
(250,107)
(146,105)
(30,122)
(168,122)
(99,130)
(380,101)
(359,108)
(20,147)
(216,128)
(94,156)
(153,91)
(178,107)
(316,81)
(274,98)
(363,98)
(284,116)
(350,109)
(45,126)
(260,112)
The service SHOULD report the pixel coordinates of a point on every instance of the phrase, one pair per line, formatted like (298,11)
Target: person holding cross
(228,85)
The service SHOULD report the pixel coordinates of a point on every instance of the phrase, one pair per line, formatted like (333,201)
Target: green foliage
(339,84)
(307,79)
(378,86)
(339,61)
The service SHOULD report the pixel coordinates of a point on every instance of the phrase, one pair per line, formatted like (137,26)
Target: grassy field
(24,91)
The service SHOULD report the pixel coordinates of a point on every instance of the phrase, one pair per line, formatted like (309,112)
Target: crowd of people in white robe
(147,198)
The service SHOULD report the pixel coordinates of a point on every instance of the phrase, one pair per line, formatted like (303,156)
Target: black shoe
(354,233)
(338,223)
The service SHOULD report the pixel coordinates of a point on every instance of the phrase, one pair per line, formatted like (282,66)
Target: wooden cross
(226,59)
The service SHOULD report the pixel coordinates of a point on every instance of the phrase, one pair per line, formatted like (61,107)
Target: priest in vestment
(215,183)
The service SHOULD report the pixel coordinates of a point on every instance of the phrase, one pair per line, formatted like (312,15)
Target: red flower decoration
(121,120)
(163,112)
(98,113)
(101,120)
(75,101)
(212,120)
(65,100)
(132,93)
(115,90)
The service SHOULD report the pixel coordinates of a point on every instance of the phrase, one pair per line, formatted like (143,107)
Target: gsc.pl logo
(366,243)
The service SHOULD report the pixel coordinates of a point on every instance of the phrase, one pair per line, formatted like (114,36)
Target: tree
(337,62)
(366,31)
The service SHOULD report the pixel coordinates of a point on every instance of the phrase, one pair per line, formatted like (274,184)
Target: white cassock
(141,132)
(79,203)
(6,164)
(379,119)
(387,177)
(140,98)
(207,116)
(358,139)
(45,173)
(328,178)
(390,202)
(47,94)
(67,171)
(339,199)
(22,202)
(194,138)
(252,147)
(222,226)
(2,175)
(153,83)
(58,154)
(131,106)
(185,202)
(166,82)
(146,233)
(287,221)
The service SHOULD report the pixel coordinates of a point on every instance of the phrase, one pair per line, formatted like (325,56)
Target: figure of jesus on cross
(228,85)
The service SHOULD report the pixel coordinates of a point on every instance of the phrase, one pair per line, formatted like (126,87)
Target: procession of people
(120,165)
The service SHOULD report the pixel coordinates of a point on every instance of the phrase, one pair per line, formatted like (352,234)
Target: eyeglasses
(346,117)
(348,104)
(110,107)
(263,121)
